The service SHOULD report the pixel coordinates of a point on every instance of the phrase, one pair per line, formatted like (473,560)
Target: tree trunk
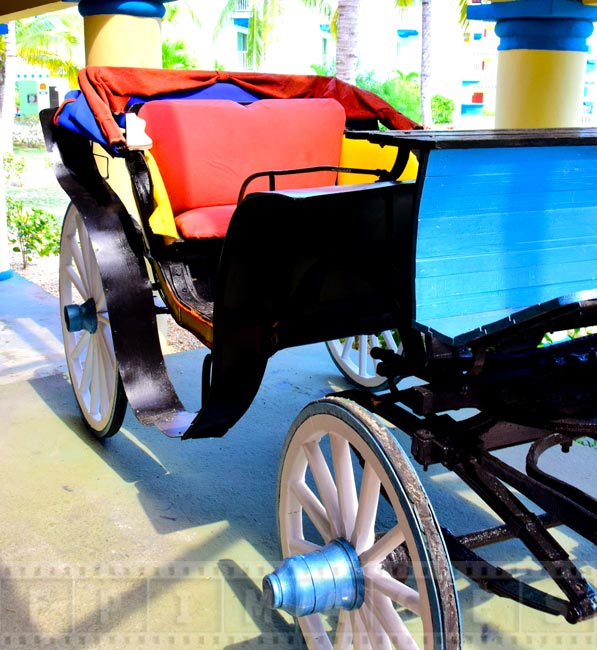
(347,46)
(2,77)
(426,117)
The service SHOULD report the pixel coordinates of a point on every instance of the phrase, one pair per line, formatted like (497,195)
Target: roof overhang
(16,9)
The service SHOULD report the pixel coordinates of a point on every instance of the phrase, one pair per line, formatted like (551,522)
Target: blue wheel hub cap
(329,578)
(81,317)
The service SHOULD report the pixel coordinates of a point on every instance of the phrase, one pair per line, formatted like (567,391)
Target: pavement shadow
(182,485)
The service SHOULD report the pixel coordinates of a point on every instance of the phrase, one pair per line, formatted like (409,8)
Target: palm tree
(175,56)
(262,19)
(174,50)
(426,117)
(54,42)
(261,15)
(347,40)
(49,41)
(182,10)
(347,45)
(426,36)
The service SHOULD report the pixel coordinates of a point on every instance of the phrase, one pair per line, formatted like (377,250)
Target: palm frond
(334,26)
(181,10)
(225,15)
(175,56)
(462,5)
(53,42)
(255,38)
(462,8)
(324,7)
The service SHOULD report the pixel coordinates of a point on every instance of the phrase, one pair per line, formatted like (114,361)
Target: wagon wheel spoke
(89,351)
(352,356)
(343,475)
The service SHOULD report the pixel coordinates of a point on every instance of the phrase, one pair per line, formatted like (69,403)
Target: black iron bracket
(581,596)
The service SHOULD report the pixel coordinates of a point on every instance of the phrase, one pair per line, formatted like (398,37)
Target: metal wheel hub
(398,563)
(329,578)
(81,317)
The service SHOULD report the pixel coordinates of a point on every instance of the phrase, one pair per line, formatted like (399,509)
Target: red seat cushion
(201,223)
(205,149)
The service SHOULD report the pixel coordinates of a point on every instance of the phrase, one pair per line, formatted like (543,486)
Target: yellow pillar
(539,89)
(116,38)
(541,60)
(124,34)
(119,40)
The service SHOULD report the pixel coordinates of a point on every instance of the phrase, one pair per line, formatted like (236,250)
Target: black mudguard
(302,267)
(118,248)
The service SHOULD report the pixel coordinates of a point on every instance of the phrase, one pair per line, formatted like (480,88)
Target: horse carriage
(271,211)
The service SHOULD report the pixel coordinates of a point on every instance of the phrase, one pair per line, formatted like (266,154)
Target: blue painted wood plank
(513,197)
(521,257)
(441,299)
(457,162)
(459,330)
(440,247)
(503,229)
(509,222)
(466,304)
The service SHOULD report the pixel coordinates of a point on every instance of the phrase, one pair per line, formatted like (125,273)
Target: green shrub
(175,56)
(588,442)
(401,91)
(27,132)
(323,70)
(442,109)
(14,168)
(31,231)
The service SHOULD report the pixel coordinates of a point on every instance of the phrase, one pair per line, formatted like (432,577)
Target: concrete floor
(143,542)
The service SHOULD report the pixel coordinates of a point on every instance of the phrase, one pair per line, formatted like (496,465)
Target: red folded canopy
(108,89)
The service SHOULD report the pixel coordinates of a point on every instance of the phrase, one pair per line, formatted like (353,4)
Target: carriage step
(160,306)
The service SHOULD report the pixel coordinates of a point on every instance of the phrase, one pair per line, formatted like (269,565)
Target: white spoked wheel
(88,344)
(344,477)
(352,357)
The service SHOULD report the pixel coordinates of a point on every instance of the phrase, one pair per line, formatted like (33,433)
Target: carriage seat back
(205,149)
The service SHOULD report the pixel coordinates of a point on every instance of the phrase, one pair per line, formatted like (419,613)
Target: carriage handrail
(271,175)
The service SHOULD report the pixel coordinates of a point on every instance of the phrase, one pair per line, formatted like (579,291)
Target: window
(242,46)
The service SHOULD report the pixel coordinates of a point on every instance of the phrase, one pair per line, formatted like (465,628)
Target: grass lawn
(38,187)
